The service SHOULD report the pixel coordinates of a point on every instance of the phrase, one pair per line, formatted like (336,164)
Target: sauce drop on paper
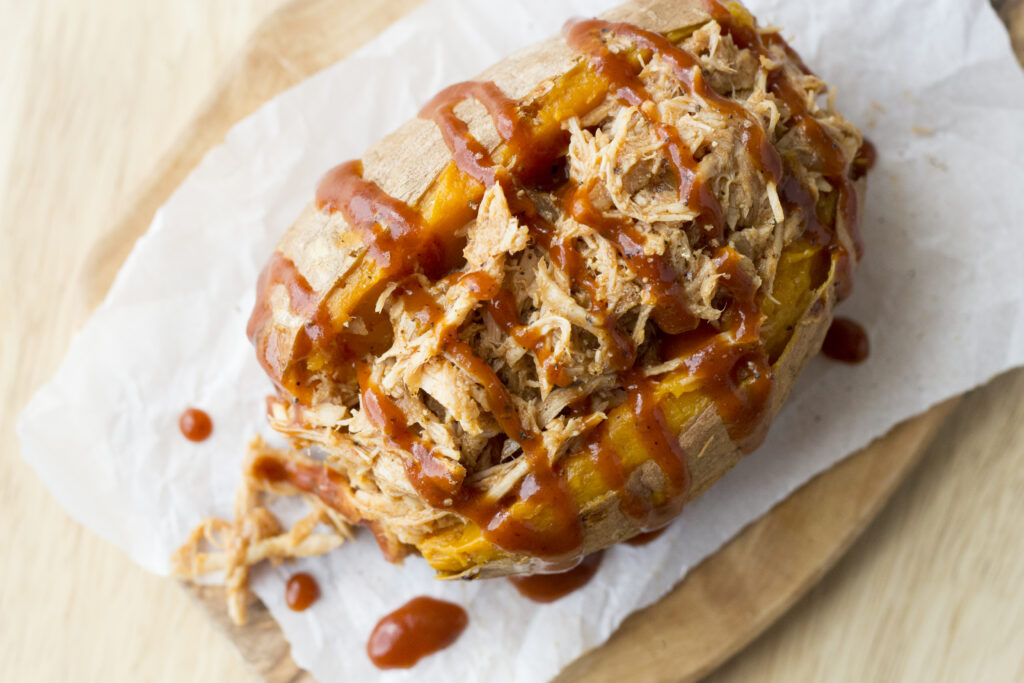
(415,630)
(195,424)
(301,591)
(846,341)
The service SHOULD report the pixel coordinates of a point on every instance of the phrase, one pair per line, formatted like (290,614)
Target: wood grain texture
(93,93)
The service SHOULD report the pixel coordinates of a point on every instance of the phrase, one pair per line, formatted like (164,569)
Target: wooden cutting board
(724,602)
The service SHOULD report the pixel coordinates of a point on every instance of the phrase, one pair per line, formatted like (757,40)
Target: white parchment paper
(940,290)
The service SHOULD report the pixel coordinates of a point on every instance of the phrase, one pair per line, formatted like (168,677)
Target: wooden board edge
(261,643)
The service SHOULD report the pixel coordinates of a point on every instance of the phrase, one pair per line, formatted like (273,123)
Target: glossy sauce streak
(732,363)
(419,628)
(846,341)
(468,154)
(321,481)
(195,425)
(551,587)
(280,271)
(301,591)
(660,445)
(392,231)
(864,161)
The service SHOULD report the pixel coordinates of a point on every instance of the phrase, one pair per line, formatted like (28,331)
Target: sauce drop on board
(195,424)
(301,591)
(418,628)
(846,341)
(551,587)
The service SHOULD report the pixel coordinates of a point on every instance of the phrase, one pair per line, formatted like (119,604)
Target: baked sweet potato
(539,318)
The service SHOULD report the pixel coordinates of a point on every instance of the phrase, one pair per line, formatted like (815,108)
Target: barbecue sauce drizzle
(281,271)
(847,341)
(727,358)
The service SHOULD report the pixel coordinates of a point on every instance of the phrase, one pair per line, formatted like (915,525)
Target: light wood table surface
(91,94)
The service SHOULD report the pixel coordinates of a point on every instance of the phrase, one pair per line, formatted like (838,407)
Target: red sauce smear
(419,628)
(392,231)
(846,341)
(661,446)
(646,537)
(732,363)
(468,154)
(195,424)
(301,591)
(551,587)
